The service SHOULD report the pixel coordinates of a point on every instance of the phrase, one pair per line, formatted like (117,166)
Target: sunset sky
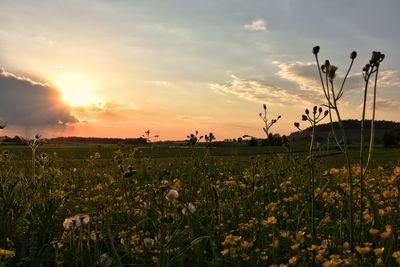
(118,68)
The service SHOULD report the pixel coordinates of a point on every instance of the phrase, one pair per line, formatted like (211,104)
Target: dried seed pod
(353,55)
(315,50)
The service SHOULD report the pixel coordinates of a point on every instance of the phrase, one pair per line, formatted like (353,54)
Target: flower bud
(296,124)
(264,106)
(320,110)
(315,50)
(307,111)
(353,55)
(326,112)
(303,117)
(315,109)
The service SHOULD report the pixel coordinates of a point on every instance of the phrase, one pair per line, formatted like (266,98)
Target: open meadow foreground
(264,148)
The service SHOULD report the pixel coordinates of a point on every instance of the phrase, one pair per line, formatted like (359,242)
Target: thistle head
(353,55)
(315,50)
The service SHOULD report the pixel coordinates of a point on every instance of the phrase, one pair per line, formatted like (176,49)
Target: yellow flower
(224,252)
(363,250)
(7,253)
(373,231)
(293,260)
(387,194)
(313,248)
(245,244)
(379,251)
(396,170)
(269,221)
(334,171)
(388,232)
(396,255)
(300,237)
(346,245)
(295,246)
(319,258)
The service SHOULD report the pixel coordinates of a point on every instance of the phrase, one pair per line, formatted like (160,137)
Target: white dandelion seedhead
(172,195)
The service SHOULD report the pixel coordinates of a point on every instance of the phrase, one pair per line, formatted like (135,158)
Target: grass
(239,215)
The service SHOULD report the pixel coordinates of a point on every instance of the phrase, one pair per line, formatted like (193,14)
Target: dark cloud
(29,104)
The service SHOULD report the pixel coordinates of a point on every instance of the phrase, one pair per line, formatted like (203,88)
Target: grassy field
(228,206)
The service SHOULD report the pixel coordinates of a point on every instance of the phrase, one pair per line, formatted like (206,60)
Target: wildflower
(295,246)
(293,260)
(363,250)
(333,261)
(334,171)
(379,251)
(172,195)
(319,258)
(270,221)
(246,244)
(7,253)
(396,255)
(264,258)
(396,170)
(388,232)
(373,231)
(300,237)
(76,221)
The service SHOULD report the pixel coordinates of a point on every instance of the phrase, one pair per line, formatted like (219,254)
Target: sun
(76,90)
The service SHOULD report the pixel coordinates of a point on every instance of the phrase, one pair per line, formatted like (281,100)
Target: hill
(383,129)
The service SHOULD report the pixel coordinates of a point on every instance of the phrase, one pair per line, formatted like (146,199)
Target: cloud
(259,91)
(101,112)
(30,104)
(256,25)
(305,75)
(389,78)
(197,118)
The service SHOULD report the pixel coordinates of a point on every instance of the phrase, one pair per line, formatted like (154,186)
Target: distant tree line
(16,140)
(392,138)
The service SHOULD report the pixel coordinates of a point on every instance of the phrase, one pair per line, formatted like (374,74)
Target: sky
(119,68)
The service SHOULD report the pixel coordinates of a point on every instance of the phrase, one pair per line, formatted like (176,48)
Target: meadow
(199,205)
(240,206)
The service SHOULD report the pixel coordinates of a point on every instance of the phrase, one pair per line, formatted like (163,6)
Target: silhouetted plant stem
(332,99)
(311,155)
(372,138)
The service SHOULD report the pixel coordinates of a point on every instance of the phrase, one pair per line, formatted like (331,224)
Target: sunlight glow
(76,90)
